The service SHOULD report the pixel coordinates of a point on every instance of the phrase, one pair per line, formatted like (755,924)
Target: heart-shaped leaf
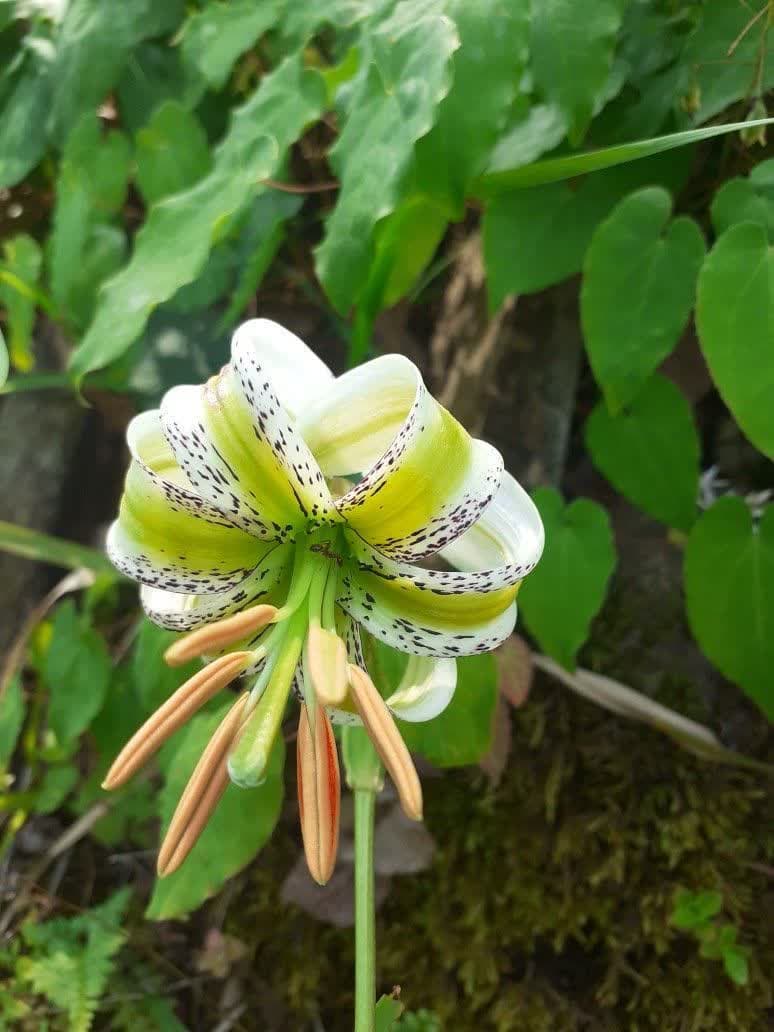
(639,282)
(729,590)
(564,593)
(650,452)
(735,316)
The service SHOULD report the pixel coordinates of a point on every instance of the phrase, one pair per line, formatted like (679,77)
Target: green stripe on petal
(424,479)
(161,543)
(402,611)
(267,583)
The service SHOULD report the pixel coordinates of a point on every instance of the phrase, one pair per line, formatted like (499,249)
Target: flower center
(303,636)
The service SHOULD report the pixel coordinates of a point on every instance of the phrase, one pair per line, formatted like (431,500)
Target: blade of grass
(46,549)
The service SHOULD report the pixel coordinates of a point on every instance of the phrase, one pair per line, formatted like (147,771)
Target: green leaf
(56,785)
(11,719)
(729,592)
(95,40)
(91,187)
(154,681)
(693,909)
(572,54)
(242,822)
(172,152)
(462,734)
(260,240)
(488,66)
(536,128)
(535,238)
(720,78)
(568,166)
(56,551)
(388,1011)
(736,965)
(650,452)
(749,199)
(214,37)
(154,74)
(5,364)
(25,98)
(261,130)
(639,282)
(404,243)
(22,258)
(735,315)
(406,75)
(72,958)
(103,254)
(564,593)
(76,671)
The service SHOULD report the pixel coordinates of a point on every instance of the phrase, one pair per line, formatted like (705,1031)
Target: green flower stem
(365,778)
(365,931)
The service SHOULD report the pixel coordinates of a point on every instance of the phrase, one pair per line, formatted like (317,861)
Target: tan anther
(387,740)
(319,793)
(178,708)
(202,794)
(327,665)
(219,635)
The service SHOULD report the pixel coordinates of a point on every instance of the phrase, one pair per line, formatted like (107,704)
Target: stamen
(327,665)
(387,740)
(319,793)
(202,794)
(219,635)
(178,708)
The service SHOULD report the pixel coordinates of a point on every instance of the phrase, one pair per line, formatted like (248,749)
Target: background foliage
(165,168)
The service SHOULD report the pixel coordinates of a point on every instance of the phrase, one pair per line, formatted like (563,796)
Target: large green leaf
(154,74)
(172,152)
(735,316)
(215,36)
(94,43)
(406,75)
(487,66)
(22,259)
(650,452)
(242,822)
(261,130)
(572,54)
(568,166)
(153,680)
(76,670)
(462,734)
(729,590)
(91,187)
(25,98)
(564,593)
(103,254)
(537,237)
(639,283)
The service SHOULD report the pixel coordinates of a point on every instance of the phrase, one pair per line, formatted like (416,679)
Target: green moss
(547,905)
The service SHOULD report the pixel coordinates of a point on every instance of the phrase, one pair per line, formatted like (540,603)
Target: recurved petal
(239,449)
(425,480)
(297,375)
(424,612)
(504,545)
(164,544)
(425,690)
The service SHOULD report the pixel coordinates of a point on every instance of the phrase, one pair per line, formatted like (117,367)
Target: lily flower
(273,512)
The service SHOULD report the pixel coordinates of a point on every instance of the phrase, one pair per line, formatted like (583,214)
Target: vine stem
(365,931)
